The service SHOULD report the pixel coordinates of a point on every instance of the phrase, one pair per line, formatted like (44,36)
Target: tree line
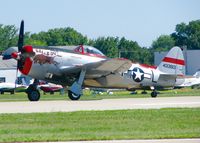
(184,35)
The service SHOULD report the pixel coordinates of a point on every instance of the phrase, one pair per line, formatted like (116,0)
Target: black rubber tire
(33,95)
(154,94)
(143,92)
(73,96)
(12,92)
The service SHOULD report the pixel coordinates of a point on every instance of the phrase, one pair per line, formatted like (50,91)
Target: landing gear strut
(32,91)
(75,91)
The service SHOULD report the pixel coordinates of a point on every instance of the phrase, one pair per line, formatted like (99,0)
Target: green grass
(88,95)
(101,125)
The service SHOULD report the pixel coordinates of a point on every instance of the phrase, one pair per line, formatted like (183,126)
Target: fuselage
(147,76)
(48,63)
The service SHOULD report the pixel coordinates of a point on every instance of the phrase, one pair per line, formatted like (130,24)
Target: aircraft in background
(188,81)
(50,87)
(13,87)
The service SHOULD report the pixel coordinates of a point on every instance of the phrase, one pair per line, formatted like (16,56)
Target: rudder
(173,62)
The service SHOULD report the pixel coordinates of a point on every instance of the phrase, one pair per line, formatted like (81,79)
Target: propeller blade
(7,57)
(16,79)
(20,43)
(21,37)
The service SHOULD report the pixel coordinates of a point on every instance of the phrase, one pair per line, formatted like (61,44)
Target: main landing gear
(75,91)
(154,93)
(32,91)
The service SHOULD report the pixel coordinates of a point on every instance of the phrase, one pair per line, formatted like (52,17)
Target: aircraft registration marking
(169,66)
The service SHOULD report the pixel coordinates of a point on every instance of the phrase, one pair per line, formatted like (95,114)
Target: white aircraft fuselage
(47,63)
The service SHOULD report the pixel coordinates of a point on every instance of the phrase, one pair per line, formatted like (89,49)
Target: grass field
(101,125)
(88,95)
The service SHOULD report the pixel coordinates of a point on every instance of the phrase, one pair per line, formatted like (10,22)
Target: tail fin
(173,62)
(197,74)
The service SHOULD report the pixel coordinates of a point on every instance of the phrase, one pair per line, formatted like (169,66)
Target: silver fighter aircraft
(84,66)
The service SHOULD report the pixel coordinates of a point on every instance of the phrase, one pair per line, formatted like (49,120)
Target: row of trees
(184,35)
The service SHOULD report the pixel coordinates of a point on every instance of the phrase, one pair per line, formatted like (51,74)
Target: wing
(99,69)
(111,81)
(107,67)
(167,80)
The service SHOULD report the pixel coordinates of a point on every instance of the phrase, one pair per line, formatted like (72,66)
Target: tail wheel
(12,92)
(73,96)
(143,92)
(33,95)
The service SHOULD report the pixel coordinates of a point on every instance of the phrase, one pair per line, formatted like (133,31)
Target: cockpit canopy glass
(92,50)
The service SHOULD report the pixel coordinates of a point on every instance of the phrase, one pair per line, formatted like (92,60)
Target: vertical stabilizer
(173,62)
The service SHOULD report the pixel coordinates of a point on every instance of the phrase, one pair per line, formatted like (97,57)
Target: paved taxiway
(105,104)
(139,141)
(136,141)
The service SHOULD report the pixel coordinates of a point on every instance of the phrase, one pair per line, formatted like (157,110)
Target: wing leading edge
(99,69)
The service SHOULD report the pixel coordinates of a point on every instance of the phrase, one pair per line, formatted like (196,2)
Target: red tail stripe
(174,61)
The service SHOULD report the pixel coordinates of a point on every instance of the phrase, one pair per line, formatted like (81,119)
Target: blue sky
(138,20)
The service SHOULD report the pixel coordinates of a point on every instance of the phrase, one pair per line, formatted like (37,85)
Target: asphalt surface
(105,104)
(140,141)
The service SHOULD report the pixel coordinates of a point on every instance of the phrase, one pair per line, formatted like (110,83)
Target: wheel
(73,96)
(154,94)
(133,92)
(143,92)
(12,92)
(33,95)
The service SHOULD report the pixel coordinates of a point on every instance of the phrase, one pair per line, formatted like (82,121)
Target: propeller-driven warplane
(85,66)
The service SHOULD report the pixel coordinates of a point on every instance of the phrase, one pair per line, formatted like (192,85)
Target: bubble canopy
(89,50)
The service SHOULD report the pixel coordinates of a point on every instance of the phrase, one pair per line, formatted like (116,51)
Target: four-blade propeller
(23,51)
